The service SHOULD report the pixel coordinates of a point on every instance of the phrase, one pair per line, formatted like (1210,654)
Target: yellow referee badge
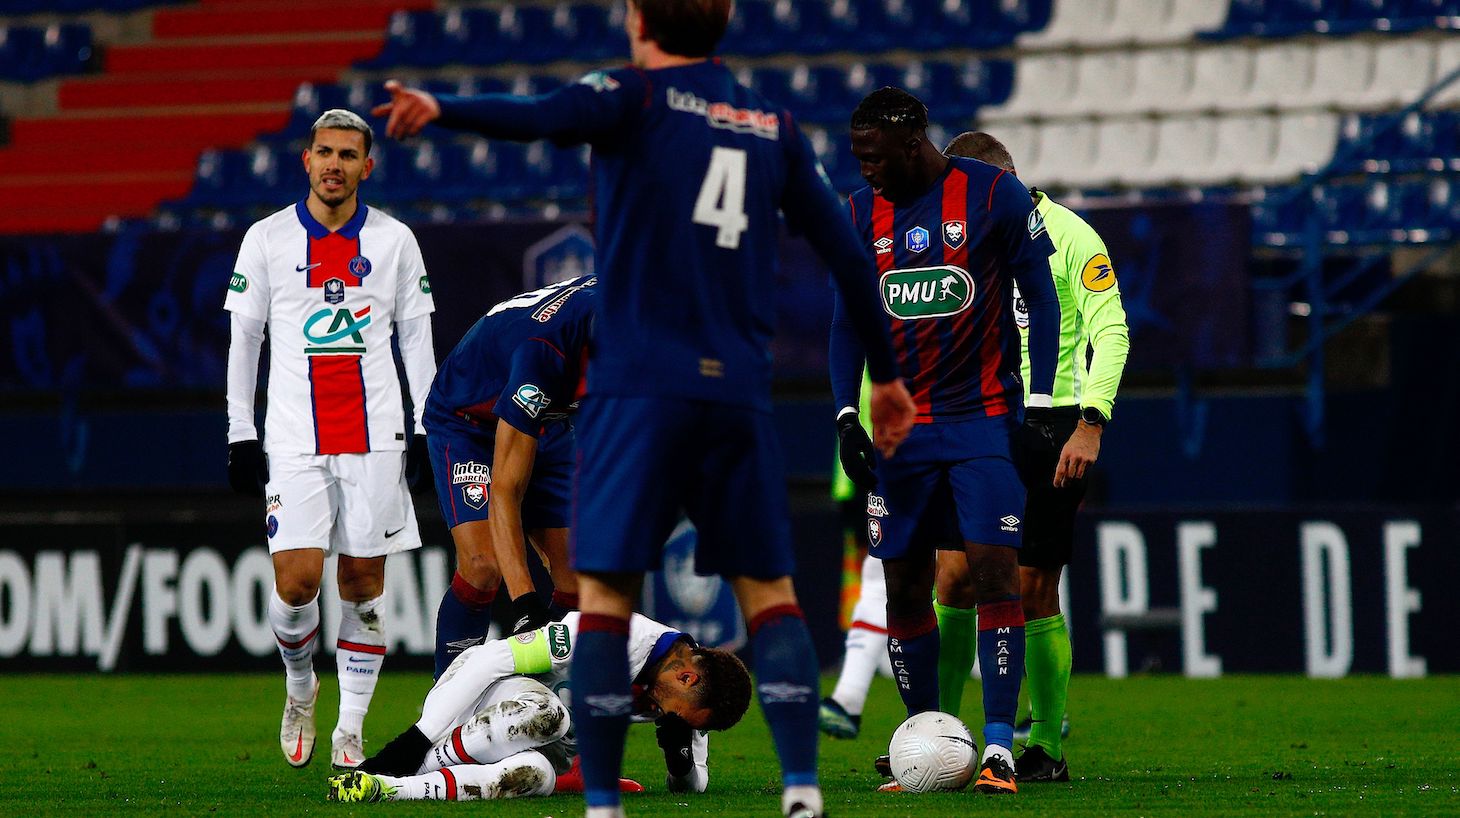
(1098,276)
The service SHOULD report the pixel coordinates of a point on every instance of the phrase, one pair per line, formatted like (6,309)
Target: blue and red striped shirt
(946,262)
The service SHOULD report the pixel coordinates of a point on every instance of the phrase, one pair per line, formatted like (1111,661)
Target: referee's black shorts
(1049,512)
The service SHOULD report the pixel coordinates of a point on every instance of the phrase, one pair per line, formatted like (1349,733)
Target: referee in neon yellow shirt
(1055,448)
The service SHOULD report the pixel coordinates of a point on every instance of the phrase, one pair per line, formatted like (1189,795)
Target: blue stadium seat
(30,53)
(587,33)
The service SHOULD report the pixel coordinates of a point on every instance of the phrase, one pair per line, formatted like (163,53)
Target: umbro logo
(610,704)
(1010,523)
(883,245)
(779,692)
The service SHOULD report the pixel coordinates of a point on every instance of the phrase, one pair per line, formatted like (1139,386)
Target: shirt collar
(350,230)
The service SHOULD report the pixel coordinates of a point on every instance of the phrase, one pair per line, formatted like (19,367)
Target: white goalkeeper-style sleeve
(698,777)
(246,339)
(418,358)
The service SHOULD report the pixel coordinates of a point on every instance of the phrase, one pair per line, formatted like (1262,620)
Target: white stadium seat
(1103,83)
(1129,20)
(1071,22)
(1022,140)
(1120,146)
(1066,149)
(1281,76)
(1243,141)
(1446,62)
(1305,143)
(1162,81)
(1190,16)
(1043,84)
(1184,148)
(1221,78)
(1342,71)
(1403,69)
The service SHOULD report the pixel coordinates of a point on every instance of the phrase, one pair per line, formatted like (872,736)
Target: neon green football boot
(356,787)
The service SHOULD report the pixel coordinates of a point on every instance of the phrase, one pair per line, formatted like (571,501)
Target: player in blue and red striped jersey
(502,453)
(690,171)
(950,237)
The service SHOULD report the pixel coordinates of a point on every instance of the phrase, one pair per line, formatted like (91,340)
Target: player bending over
(502,452)
(496,725)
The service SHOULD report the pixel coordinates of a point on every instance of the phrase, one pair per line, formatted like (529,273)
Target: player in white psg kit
(497,723)
(332,280)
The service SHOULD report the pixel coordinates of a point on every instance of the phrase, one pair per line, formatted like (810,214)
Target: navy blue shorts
(949,482)
(644,461)
(461,456)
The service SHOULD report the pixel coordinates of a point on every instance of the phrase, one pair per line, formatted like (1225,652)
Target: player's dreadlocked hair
(890,107)
(688,28)
(983,147)
(724,687)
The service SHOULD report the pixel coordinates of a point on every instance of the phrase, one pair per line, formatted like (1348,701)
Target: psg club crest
(359,266)
(334,291)
(475,495)
(954,233)
(917,240)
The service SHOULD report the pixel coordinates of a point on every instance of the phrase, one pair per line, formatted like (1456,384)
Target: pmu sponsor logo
(238,283)
(926,292)
(327,328)
(560,643)
(725,116)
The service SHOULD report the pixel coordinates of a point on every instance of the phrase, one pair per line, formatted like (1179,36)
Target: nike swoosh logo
(349,760)
(298,748)
(390,534)
(358,659)
(302,267)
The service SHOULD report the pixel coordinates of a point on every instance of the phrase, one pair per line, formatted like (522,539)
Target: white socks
(360,653)
(866,649)
(808,796)
(521,775)
(297,630)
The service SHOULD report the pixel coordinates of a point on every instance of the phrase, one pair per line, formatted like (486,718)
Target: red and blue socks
(787,679)
(602,703)
(462,620)
(912,645)
(1001,657)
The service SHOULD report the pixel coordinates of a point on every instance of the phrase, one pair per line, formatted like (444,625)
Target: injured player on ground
(497,725)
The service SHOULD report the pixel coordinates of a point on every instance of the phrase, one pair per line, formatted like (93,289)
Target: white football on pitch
(932,751)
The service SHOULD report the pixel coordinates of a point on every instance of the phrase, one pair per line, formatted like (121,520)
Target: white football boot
(347,750)
(296,732)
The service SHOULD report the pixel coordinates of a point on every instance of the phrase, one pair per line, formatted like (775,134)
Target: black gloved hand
(1038,429)
(857,456)
(675,738)
(418,465)
(529,613)
(402,756)
(248,469)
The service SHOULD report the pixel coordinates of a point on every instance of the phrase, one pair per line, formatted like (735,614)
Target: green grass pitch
(95,746)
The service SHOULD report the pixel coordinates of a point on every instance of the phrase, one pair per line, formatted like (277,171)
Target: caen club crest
(475,494)
(954,234)
(874,531)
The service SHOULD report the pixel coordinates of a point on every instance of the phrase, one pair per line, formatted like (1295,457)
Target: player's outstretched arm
(596,105)
(408,111)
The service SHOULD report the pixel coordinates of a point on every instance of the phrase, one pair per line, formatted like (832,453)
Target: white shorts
(354,504)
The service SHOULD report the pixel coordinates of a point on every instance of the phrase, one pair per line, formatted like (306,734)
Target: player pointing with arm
(1057,446)
(950,238)
(331,279)
(690,169)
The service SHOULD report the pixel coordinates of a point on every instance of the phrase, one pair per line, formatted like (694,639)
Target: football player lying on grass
(496,725)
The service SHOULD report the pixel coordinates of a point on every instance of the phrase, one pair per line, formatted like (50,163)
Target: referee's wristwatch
(1093,416)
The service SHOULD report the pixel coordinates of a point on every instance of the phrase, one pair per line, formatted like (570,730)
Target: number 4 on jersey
(721,203)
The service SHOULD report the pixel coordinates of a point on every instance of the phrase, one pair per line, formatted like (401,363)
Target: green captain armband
(535,651)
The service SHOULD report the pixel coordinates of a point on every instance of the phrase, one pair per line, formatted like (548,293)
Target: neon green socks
(1047,668)
(957,638)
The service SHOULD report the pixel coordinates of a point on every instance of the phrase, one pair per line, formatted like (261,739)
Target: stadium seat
(1131,21)
(1066,151)
(1103,83)
(1188,17)
(31,53)
(1184,147)
(1282,74)
(1162,81)
(1403,69)
(1342,71)
(1022,141)
(1120,145)
(1305,143)
(1242,142)
(1072,22)
(1447,62)
(1221,78)
(1043,84)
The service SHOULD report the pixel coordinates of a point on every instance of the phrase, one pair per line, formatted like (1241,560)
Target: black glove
(858,459)
(402,756)
(529,613)
(675,738)
(1038,429)
(248,470)
(418,465)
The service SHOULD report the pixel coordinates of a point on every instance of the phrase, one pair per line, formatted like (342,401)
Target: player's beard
(337,197)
